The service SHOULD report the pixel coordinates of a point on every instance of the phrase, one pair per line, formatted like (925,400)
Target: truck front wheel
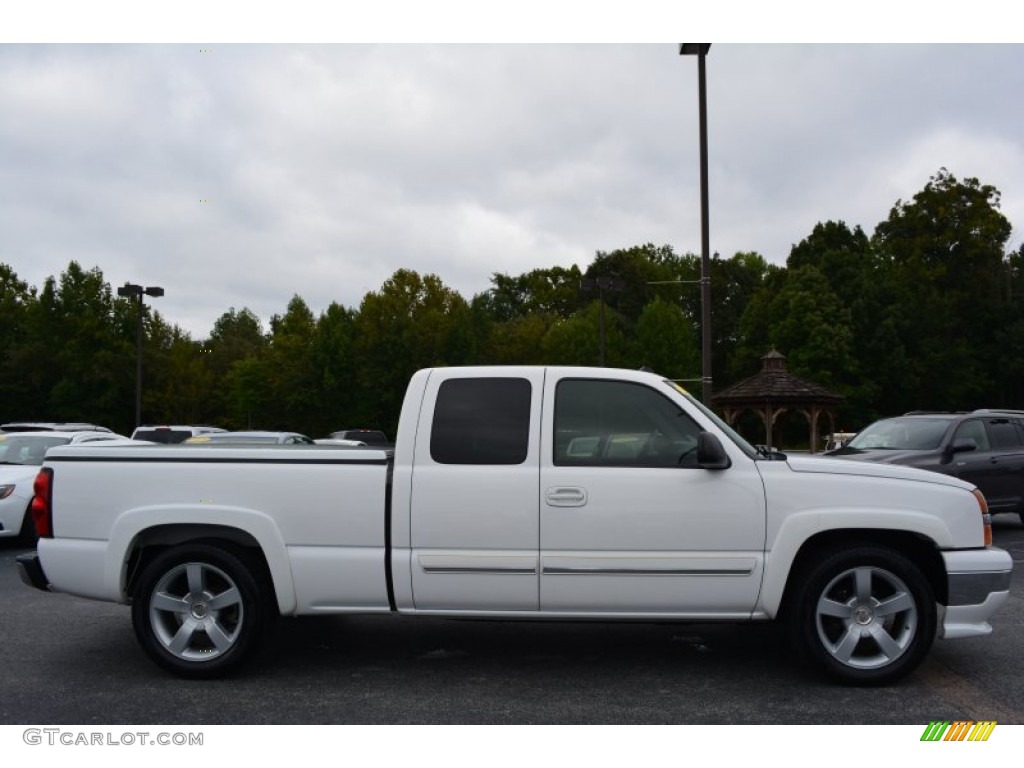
(197,610)
(863,614)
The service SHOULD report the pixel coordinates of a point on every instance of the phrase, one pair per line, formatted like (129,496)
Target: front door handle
(565,496)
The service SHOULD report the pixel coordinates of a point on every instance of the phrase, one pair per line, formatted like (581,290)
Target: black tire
(198,612)
(863,614)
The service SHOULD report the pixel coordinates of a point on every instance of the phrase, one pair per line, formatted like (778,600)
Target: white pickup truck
(522,493)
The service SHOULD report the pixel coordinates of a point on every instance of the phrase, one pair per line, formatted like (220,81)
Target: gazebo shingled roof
(773,391)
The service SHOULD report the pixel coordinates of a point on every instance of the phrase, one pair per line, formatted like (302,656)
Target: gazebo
(774,391)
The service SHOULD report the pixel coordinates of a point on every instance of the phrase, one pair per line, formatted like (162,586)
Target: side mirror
(961,445)
(710,453)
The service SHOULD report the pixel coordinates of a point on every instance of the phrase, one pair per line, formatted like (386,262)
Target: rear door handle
(565,496)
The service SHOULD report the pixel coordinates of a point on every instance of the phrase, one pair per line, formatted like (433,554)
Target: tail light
(42,503)
(986,518)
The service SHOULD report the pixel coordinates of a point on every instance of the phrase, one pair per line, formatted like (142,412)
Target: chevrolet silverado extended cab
(522,493)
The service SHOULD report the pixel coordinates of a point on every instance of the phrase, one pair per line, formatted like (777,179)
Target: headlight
(6,490)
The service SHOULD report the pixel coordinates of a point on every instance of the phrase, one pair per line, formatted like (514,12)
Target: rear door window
(1004,434)
(481,421)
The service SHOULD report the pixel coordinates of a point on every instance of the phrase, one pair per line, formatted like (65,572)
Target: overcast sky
(238,175)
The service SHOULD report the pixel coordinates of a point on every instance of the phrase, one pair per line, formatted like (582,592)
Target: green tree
(16,299)
(1009,336)
(799,315)
(334,367)
(237,336)
(178,384)
(854,273)
(291,377)
(518,341)
(553,292)
(756,323)
(943,254)
(88,337)
(637,268)
(248,398)
(413,322)
(734,282)
(576,340)
(666,341)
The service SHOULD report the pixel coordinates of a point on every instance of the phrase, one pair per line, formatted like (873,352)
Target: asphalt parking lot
(66,660)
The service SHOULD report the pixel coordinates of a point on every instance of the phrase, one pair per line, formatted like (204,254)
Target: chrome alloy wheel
(195,611)
(866,617)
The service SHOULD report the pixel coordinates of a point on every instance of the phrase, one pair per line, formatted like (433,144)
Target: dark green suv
(984,447)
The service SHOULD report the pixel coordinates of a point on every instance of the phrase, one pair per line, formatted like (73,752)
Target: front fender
(798,528)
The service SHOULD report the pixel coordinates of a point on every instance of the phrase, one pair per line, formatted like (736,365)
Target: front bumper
(12,514)
(979,583)
(31,571)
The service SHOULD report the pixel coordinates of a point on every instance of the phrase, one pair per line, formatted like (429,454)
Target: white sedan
(21,455)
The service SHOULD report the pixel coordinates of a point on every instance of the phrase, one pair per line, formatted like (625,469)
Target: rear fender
(130,526)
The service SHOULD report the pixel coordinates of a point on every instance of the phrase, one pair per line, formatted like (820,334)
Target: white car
(21,455)
(251,437)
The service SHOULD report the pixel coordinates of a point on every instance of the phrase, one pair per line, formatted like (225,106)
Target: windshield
(902,434)
(25,450)
(368,436)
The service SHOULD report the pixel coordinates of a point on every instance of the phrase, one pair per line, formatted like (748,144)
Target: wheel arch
(919,549)
(273,573)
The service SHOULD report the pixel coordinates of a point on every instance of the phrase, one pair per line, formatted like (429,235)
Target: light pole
(700,50)
(128,290)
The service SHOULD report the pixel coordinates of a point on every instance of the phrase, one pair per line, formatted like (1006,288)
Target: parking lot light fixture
(129,290)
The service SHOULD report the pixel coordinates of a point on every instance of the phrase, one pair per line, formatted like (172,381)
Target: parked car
(837,440)
(983,447)
(21,455)
(250,438)
(366,436)
(51,426)
(167,434)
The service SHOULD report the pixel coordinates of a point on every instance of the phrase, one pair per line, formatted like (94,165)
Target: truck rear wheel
(197,611)
(863,614)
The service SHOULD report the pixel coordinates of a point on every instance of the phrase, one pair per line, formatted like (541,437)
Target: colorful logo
(958,730)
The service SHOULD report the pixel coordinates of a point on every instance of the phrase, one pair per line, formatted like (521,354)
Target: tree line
(927,312)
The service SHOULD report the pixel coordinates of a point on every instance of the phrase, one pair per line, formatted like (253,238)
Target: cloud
(240,175)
